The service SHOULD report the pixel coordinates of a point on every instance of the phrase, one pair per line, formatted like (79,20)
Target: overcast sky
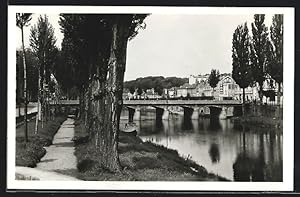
(175,45)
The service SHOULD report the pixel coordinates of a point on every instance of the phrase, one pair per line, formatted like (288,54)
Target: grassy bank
(29,154)
(261,116)
(259,122)
(142,161)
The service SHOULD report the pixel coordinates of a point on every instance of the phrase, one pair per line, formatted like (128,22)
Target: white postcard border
(288,109)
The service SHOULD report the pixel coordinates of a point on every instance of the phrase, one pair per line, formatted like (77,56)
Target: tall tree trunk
(278,100)
(243,106)
(86,106)
(279,94)
(19,109)
(81,102)
(260,93)
(25,88)
(110,107)
(38,115)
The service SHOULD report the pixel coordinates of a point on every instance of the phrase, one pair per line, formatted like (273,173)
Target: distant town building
(198,86)
(225,89)
(197,79)
(170,93)
(187,90)
(151,94)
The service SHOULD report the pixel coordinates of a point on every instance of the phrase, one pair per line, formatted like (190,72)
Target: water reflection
(214,153)
(214,124)
(187,124)
(222,147)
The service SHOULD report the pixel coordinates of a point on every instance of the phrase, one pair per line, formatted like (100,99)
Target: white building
(197,79)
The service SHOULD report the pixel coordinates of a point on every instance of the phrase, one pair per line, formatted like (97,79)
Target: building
(225,89)
(151,94)
(187,90)
(197,79)
(170,93)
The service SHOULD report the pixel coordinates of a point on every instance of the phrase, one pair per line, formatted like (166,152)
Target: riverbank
(261,116)
(28,154)
(141,161)
(259,122)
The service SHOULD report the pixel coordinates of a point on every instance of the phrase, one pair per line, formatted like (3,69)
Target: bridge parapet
(181,102)
(66,102)
(164,102)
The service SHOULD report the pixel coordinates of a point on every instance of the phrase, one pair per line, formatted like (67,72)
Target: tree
(131,89)
(214,78)
(32,76)
(22,20)
(159,89)
(154,81)
(139,91)
(241,70)
(42,42)
(109,99)
(275,52)
(259,51)
(105,62)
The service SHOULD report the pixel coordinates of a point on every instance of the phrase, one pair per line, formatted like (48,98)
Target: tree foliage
(241,69)
(158,83)
(32,73)
(214,78)
(275,52)
(275,49)
(42,42)
(259,50)
(23,19)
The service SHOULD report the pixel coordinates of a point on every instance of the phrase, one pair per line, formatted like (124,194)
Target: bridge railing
(164,102)
(181,102)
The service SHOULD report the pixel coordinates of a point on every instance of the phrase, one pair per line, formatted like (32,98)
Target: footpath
(59,157)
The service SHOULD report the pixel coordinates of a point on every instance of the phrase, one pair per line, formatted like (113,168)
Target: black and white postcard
(150,98)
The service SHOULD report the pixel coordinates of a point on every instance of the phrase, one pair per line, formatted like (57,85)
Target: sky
(174,45)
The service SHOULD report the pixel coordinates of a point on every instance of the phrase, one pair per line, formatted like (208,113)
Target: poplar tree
(259,51)
(241,69)
(42,42)
(22,20)
(275,52)
(214,78)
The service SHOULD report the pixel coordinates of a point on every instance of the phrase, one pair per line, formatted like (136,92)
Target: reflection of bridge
(192,108)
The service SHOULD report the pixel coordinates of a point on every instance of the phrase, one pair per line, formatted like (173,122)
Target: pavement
(59,157)
(42,175)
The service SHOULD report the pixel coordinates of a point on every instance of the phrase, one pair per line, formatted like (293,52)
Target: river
(221,146)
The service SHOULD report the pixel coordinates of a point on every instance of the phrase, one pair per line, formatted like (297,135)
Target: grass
(141,161)
(29,153)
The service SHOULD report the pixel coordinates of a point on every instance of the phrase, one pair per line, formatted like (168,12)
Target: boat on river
(130,129)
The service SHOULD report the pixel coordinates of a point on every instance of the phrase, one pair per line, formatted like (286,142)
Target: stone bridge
(191,108)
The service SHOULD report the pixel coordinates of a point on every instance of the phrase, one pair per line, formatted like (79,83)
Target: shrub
(29,153)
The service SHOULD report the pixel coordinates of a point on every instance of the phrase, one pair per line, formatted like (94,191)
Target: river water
(233,151)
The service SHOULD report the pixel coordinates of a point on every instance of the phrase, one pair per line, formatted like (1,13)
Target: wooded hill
(156,82)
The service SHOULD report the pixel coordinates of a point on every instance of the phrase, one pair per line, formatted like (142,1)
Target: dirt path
(60,155)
